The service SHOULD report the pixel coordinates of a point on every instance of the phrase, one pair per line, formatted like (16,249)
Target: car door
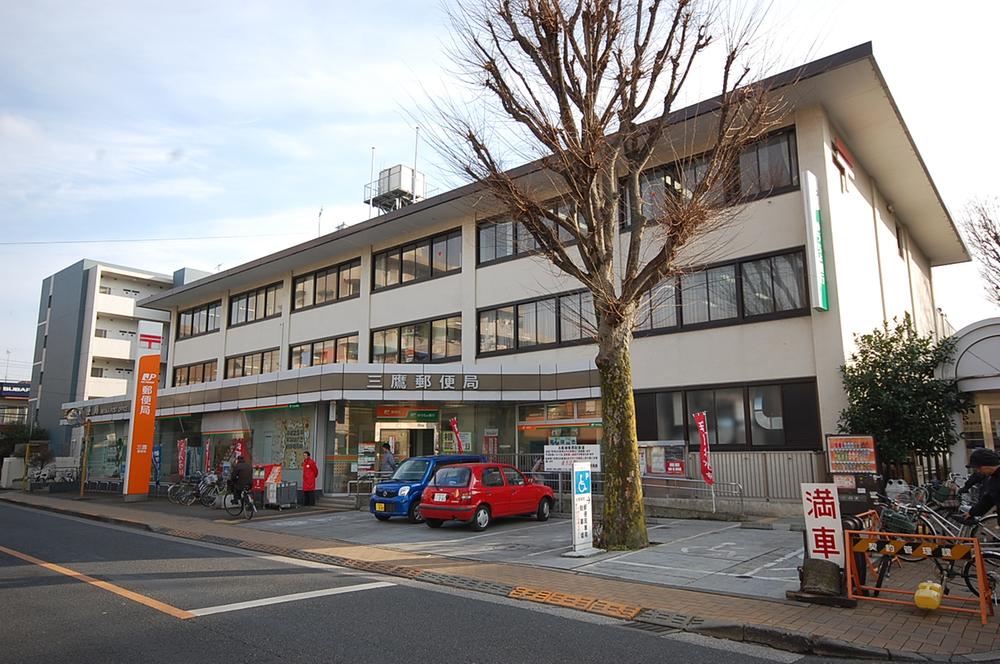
(521,495)
(496,491)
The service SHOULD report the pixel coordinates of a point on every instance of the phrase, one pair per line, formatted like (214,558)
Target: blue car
(400,495)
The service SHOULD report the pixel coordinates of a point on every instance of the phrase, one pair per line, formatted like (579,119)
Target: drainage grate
(649,627)
(615,609)
(663,618)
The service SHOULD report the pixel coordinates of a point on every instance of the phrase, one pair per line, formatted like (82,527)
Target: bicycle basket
(896,522)
(943,493)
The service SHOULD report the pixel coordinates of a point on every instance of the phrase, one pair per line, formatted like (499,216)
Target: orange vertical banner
(139,461)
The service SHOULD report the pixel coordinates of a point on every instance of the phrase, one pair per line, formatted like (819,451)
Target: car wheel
(544,509)
(382,517)
(434,523)
(481,519)
(413,514)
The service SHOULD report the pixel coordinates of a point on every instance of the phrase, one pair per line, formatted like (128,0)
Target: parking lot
(704,555)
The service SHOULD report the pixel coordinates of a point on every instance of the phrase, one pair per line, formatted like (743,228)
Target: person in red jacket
(309,473)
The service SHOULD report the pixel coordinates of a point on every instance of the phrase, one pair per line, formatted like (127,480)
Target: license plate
(440,497)
(379,507)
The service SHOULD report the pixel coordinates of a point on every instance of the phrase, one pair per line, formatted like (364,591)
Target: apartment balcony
(116,349)
(120,305)
(106,387)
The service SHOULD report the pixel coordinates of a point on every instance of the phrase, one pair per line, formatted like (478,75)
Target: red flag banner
(706,464)
(182,446)
(458,437)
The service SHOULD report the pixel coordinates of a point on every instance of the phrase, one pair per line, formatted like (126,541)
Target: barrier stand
(953,549)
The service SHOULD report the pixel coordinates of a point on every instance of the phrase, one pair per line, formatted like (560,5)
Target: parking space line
(700,571)
(104,585)
(239,606)
(673,541)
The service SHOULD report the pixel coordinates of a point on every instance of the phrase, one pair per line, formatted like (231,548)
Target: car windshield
(452,477)
(411,470)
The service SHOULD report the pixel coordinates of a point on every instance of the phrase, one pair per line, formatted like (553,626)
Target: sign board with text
(583,520)
(139,459)
(824,531)
(561,458)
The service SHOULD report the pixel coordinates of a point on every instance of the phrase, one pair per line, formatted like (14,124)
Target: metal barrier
(369,480)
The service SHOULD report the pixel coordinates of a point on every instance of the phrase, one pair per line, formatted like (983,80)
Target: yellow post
(87,429)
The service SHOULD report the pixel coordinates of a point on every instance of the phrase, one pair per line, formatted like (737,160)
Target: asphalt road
(151,598)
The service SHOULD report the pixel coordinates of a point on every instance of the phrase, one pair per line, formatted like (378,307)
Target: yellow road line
(104,585)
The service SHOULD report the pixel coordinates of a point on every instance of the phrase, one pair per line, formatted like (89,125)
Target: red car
(477,493)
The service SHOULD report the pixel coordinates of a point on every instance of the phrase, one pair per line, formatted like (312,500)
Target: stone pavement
(871,630)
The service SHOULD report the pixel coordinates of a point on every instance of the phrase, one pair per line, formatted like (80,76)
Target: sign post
(139,454)
(583,520)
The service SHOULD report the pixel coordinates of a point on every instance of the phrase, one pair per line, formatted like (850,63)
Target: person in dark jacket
(242,476)
(986,463)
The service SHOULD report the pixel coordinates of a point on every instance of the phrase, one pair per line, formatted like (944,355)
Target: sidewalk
(871,630)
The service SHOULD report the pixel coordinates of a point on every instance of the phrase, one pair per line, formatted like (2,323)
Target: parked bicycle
(244,504)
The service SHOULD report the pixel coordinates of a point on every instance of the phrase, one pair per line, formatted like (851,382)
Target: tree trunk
(624,525)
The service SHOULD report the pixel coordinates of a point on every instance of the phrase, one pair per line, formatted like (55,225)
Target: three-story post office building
(388,329)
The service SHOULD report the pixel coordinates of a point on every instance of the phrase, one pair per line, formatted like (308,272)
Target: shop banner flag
(458,436)
(182,448)
(706,465)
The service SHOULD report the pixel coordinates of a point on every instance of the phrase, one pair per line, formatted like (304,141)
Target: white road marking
(680,539)
(771,565)
(266,601)
(700,571)
(736,648)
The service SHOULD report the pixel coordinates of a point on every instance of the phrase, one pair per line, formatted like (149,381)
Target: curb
(772,637)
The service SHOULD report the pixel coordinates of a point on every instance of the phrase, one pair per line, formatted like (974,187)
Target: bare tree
(982,227)
(589,88)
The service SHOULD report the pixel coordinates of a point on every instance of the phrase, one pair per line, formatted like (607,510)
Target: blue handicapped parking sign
(581,482)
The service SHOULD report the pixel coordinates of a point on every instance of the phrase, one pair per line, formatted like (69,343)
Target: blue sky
(183,119)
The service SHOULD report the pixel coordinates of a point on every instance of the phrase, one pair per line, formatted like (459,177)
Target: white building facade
(386,330)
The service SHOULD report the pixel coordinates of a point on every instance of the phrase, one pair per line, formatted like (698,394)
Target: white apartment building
(87,321)
(388,329)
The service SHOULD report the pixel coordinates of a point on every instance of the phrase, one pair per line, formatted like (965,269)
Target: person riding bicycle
(985,463)
(241,478)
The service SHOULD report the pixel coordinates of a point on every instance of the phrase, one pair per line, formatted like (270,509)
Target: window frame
(252,296)
(745,387)
(430,340)
(333,271)
(275,363)
(207,309)
(312,353)
(516,227)
(741,318)
(516,304)
(187,369)
(398,250)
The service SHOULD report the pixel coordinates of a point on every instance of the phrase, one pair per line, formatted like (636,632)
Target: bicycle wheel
(189,497)
(991,561)
(174,493)
(988,531)
(208,497)
(233,505)
(883,570)
(249,509)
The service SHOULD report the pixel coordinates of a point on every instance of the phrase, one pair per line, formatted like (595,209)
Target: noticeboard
(560,458)
(851,454)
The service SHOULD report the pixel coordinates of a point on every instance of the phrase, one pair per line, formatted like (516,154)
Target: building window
(193,374)
(436,340)
(766,168)
(424,259)
(252,364)
(339,282)
(325,351)
(774,284)
(104,290)
(97,372)
(258,304)
(101,333)
(199,320)
(755,416)
(726,294)
(502,238)
(568,318)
